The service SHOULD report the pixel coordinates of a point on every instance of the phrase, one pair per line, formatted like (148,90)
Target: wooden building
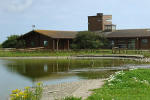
(61,40)
(130,38)
(54,40)
(101,24)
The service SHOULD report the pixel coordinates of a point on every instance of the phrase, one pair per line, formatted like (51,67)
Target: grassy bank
(69,53)
(51,53)
(128,85)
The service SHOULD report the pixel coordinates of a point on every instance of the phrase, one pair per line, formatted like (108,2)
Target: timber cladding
(131,39)
(49,39)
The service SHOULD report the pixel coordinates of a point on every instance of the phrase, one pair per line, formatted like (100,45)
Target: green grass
(51,53)
(128,85)
(68,53)
(72,98)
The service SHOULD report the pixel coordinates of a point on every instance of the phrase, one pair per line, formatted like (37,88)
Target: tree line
(13,42)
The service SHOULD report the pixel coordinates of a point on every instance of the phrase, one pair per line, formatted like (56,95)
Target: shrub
(12,42)
(88,40)
(28,93)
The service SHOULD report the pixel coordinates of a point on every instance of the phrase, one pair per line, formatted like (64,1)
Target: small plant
(28,93)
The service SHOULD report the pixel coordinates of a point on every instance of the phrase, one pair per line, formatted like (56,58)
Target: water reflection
(20,73)
(35,69)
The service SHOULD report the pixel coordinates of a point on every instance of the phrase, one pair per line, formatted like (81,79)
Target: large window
(131,44)
(108,27)
(122,44)
(144,41)
(45,43)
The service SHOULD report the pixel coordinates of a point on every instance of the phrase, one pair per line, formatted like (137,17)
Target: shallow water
(26,72)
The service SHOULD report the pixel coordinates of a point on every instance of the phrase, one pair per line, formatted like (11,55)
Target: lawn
(69,53)
(52,53)
(125,85)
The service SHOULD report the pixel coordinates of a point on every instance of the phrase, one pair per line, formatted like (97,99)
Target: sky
(18,16)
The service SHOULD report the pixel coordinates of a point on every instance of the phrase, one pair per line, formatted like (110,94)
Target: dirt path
(77,89)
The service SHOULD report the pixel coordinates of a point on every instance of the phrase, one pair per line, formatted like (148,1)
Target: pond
(26,72)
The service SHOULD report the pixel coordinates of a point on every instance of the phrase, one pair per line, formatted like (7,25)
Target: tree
(0,45)
(12,42)
(88,40)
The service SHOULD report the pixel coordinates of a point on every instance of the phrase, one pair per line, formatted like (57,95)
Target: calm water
(20,73)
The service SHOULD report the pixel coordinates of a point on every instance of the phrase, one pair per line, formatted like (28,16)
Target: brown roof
(129,33)
(57,34)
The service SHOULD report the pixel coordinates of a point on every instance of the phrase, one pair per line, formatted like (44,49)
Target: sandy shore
(78,89)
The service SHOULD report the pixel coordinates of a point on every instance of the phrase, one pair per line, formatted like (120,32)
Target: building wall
(144,45)
(97,23)
(34,39)
(131,43)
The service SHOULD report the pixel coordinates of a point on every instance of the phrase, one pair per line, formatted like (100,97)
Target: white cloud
(15,5)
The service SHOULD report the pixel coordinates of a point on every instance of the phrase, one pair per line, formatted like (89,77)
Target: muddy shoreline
(78,89)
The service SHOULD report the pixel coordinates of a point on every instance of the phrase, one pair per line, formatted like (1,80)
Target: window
(131,43)
(113,27)
(112,42)
(144,41)
(109,20)
(45,43)
(122,43)
(108,27)
(99,20)
(32,44)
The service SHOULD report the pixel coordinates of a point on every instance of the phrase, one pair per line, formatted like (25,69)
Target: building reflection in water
(54,69)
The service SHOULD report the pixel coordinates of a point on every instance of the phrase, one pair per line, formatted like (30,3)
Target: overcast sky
(18,16)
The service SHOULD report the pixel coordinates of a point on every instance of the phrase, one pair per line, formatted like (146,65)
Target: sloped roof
(129,33)
(58,34)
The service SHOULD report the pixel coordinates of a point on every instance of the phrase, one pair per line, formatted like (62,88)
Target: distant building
(101,24)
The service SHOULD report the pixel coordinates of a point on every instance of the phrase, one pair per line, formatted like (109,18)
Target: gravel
(78,89)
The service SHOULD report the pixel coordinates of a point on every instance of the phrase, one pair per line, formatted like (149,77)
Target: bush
(88,40)
(28,93)
(0,45)
(12,42)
